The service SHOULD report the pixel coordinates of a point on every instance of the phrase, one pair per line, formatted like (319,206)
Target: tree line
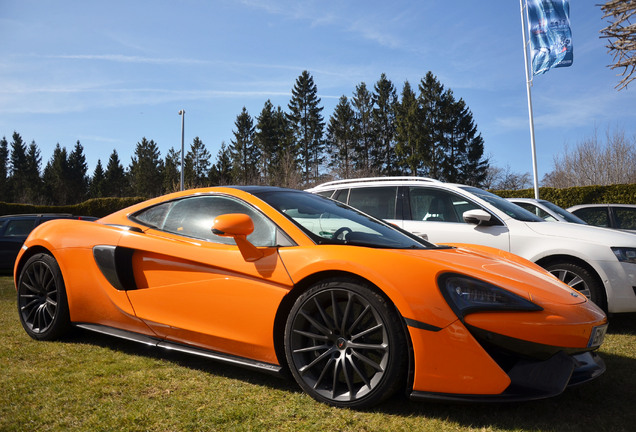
(424,131)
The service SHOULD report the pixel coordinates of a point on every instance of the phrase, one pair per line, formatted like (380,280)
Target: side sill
(172,346)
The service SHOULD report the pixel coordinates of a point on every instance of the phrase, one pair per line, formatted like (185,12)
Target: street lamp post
(182,114)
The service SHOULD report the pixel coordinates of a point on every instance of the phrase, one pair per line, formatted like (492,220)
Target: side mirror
(238,226)
(477,217)
(233,224)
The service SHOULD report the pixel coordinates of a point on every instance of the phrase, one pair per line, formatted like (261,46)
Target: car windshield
(502,204)
(566,215)
(330,222)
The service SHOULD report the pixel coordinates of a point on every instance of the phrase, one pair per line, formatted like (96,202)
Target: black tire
(345,345)
(580,279)
(42,304)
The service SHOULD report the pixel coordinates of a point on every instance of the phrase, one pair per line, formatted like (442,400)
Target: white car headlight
(625,254)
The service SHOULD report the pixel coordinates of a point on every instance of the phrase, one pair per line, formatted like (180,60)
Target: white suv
(598,262)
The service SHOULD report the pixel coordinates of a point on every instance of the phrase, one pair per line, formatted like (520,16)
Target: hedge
(568,197)
(97,207)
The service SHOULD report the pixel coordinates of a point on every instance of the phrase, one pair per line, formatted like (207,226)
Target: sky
(109,73)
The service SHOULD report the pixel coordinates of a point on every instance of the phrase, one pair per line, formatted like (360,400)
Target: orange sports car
(286,281)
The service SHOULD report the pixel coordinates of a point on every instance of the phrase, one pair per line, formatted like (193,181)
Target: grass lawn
(90,382)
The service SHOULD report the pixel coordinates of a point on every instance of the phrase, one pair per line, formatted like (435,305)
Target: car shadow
(603,404)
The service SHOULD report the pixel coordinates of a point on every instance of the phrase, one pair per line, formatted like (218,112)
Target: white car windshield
(512,210)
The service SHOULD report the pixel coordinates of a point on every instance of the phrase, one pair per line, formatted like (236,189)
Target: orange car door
(194,287)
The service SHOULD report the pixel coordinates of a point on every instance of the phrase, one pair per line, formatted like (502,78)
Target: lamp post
(182,114)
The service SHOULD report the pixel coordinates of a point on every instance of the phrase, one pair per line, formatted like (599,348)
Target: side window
(326,194)
(376,201)
(597,216)
(341,195)
(19,228)
(537,211)
(193,217)
(438,205)
(625,217)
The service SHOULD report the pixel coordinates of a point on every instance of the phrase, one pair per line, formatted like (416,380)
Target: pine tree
(197,165)
(146,169)
(267,138)
(308,125)
(245,153)
(56,177)
(34,185)
(431,103)
(18,182)
(383,118)
(4,170)
(78,180)
(96,183)
(171,171)
(116,182)
(341,139)
(362,104)
(408,146)
(221,171)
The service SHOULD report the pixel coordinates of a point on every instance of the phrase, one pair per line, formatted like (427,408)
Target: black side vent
(115,263)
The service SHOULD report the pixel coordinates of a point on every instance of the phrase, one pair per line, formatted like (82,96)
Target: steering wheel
(342,231)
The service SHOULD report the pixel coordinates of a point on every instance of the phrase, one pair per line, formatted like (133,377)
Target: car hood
(588,233)
(503,270)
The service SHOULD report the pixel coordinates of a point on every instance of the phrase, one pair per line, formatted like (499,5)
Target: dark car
(616,216)
(14,230)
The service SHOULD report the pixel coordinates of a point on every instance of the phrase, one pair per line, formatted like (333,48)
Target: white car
(616,216)
(597,262)
(547,210)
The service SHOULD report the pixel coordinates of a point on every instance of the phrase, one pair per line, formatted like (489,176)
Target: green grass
(90,382)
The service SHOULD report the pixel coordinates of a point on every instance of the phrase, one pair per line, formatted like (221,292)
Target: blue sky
(108,73)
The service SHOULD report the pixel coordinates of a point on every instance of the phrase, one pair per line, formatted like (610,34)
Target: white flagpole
(528,85)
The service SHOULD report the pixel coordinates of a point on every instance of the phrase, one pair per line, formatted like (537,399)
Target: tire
(42,303)
(345,345)
(580,279)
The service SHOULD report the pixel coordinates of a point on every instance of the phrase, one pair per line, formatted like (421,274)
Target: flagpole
(528,85)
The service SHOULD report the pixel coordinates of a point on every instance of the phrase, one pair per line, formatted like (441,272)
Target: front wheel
(345,345)
(42,304)
(581,280)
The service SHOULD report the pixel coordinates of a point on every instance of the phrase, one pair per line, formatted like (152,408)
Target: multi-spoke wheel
(345,345)
(42,304)
(581,280)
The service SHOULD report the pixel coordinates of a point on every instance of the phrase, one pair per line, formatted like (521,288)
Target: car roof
(528,200)
(600,205)
(368,181)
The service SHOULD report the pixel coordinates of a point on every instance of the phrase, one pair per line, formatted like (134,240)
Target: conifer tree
(116,180)
(171,171)
(341,139)
(362,104)
(4,170)
(221,171)
(307,123)
(97,180)
(383,118)
(56,177)
(146,169)
(197,165)
(408,134)
(34,185)
(431,103)
(267,138)
(77,169)
(18,180)
(245,153)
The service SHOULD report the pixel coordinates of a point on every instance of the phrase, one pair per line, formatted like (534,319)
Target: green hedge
(97,207)
(568,197)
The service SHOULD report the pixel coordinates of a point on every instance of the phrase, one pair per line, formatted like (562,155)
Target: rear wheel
(345,345)
(580,279)
(42,304)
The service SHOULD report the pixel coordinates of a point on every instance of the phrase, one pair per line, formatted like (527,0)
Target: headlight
(467,295)
(625,254)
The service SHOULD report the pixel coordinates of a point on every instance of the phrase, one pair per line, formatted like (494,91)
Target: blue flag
(550,34)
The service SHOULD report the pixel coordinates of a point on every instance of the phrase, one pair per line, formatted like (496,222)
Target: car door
(194,287)
(437,214)
(13,233)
